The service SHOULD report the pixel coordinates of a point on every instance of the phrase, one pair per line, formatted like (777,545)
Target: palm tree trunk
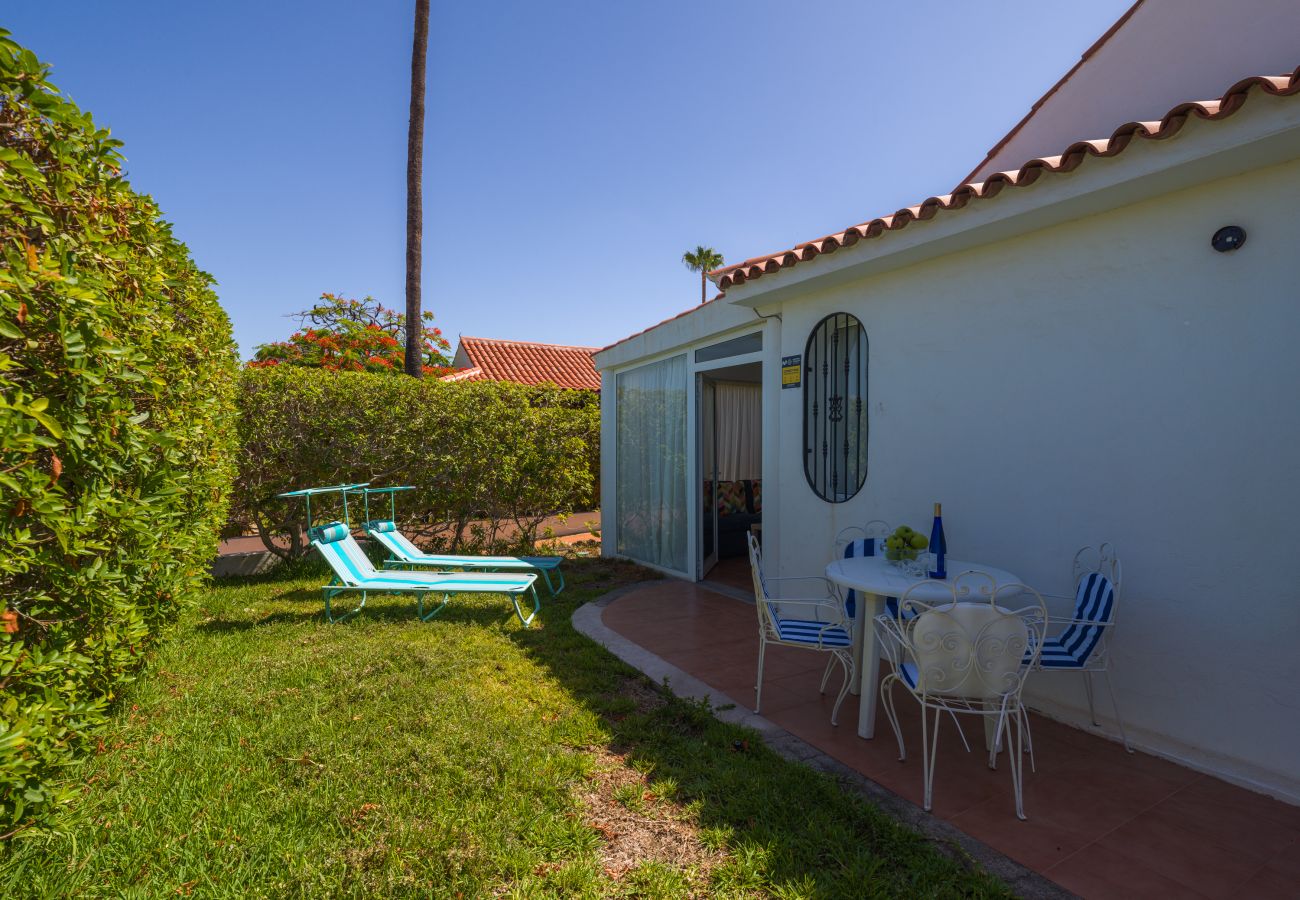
(703,288)
(414,192)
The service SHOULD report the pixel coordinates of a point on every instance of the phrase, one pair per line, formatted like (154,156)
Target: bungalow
(1091,338)
(524,362)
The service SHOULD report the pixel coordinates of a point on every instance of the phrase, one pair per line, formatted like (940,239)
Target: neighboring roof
(526,362)
(1070,159)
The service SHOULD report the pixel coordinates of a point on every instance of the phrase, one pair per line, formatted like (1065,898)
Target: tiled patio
(1102,823)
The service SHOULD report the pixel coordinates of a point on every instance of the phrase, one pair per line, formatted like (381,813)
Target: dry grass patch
(638,826)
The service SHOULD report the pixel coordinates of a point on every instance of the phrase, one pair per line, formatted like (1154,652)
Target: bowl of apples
(904,545)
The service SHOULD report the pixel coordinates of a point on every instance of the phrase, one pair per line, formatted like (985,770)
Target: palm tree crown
(703,260)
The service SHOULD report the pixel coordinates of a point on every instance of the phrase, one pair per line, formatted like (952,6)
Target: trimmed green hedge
(117,376)
(489,460)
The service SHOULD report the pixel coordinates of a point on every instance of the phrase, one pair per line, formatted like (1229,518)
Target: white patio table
(875,578)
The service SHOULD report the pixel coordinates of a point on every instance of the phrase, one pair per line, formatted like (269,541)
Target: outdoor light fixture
(1228,238)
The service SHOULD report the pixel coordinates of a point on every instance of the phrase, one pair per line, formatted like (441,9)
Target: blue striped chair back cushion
(381,525)
(1093,604)
(861,548)
(328,534)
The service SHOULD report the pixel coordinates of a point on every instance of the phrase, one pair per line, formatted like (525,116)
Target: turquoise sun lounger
(353,572)
(404,555)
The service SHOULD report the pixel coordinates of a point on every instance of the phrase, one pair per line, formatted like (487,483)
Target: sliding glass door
(650,459)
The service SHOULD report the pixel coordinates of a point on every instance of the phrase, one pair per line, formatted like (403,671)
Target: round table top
(877,575)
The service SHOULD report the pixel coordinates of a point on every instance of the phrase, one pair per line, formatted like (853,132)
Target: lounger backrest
(393,540)
(340,550)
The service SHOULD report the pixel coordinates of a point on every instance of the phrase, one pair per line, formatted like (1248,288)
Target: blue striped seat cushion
(1093,604)
(802,631)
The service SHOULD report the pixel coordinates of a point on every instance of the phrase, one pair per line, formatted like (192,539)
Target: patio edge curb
(946,838)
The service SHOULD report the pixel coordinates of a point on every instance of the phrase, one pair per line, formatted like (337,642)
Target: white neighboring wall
(1168,52)
(1110,378)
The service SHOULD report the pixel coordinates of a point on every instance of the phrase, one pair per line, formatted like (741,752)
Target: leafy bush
(486,458)
(116,391)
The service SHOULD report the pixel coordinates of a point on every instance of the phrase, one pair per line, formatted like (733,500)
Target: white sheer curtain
(651,463)
(740,431)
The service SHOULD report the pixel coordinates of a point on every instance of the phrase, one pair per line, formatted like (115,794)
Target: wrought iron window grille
(835,408)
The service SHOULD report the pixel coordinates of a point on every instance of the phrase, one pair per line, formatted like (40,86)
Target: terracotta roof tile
(1069,160)
(685,312)
(525,362)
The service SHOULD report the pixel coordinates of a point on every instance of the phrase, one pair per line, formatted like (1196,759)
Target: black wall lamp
(1228,238)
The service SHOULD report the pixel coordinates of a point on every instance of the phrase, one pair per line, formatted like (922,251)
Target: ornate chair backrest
(875,530)
(973,648)
(761,597)
(1101,559)
(853,543)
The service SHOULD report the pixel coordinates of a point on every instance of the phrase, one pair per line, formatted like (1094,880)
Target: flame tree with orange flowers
(348,335)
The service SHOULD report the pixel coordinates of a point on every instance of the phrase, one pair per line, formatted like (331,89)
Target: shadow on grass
(792,828)
(387,608)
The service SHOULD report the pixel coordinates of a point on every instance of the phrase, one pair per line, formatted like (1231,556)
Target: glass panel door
(650,462)
(707,441)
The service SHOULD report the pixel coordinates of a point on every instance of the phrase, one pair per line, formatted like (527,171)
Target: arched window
(835,408)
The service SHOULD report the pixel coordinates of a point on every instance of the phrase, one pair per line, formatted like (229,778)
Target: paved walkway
(1102,823)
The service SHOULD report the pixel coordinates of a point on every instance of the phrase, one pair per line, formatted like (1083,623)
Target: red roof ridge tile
(682,314)
(465,337)
(527,362)
(1069,160)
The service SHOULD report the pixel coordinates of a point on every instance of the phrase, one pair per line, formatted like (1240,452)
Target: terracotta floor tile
(1229,819)
(1037,843)
(1102,822)
(1269,884)
(1288,862)
(1099,873)
(1161,841)
(1256,804)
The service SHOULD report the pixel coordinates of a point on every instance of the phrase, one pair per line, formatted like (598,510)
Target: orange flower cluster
(354,336)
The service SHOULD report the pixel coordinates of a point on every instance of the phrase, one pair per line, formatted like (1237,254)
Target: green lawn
(267,753)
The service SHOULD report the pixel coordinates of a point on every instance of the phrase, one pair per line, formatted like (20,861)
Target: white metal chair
(967,657)
(856,542)
(808,623)
(1082,644)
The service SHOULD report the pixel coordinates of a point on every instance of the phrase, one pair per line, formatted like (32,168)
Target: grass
(267,753)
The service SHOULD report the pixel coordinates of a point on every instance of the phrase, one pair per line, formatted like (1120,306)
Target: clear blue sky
(574,150)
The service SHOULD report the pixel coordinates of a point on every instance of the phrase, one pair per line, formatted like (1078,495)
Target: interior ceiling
(750,372)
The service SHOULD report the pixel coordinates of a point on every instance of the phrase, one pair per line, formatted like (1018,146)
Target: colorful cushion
(756,489)
(387,525)
(731,497)
(328,534)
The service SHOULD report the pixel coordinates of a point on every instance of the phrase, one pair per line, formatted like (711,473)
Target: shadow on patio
(1102,823)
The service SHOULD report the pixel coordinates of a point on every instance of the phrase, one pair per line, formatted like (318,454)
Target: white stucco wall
(1111,378)
(1169,52)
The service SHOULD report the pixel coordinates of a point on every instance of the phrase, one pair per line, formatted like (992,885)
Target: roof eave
(1262,133)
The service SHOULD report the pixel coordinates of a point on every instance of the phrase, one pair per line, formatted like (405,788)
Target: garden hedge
(117,376)
(489,460)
